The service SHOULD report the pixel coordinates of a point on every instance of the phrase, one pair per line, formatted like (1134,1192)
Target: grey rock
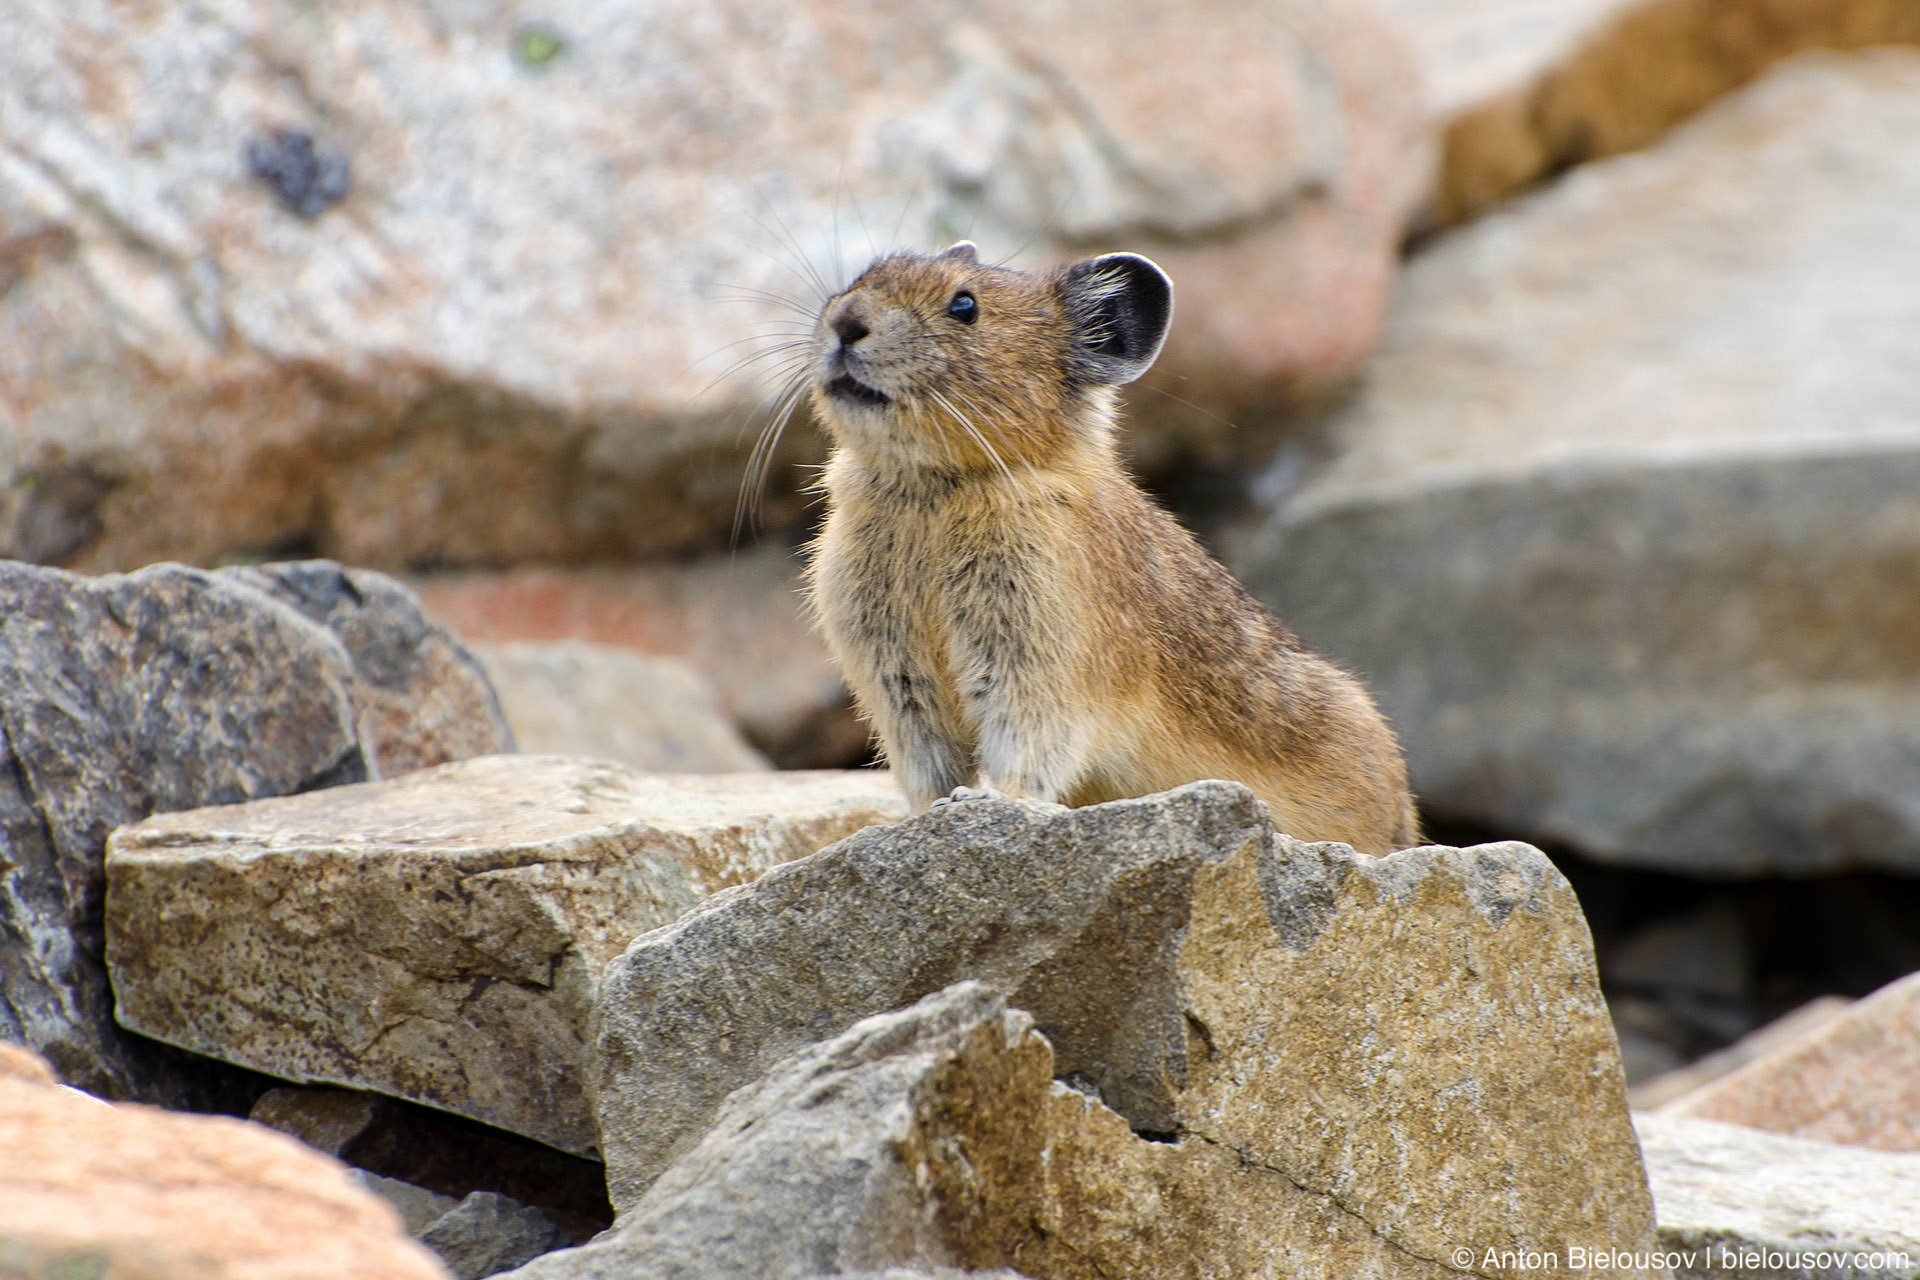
(418,1207)
(488,1233)
(1622,528)
(1072,911)
(440,936)
(173,688)
(1728,1197)
(1385,1038)
(645,711)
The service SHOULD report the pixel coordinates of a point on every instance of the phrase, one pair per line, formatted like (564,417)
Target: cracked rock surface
(440,936)
(1374,1061)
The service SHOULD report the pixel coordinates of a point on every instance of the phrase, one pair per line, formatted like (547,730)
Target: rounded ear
(965,250)
(1120,306)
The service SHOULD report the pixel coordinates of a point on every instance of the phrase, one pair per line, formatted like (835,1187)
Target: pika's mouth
(848,387)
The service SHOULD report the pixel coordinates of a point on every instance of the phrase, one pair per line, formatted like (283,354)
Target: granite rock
(440,936)
(1610,585)
(1383,1039)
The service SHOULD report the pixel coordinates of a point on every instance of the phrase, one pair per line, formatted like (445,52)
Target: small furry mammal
(1009,607)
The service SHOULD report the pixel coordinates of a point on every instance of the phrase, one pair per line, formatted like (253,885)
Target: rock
(487,1233)
(418,1207)
(439,937)
(936,1137)
(1609,586)
(1672,1085)
(1854,1078)
(650,713)
(1529,88)
(173,688)
(1736,1202)
(479,1236)
(738,619)
(441,1154)
(90,1188)
(1273,1008)
(370,281)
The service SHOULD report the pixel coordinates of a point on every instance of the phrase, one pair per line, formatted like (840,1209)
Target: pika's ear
(1121,306)
(965,250)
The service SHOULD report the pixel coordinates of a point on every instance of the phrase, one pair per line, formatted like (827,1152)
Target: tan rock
(1621,528)
(1358,1063)
(439,936)
(91,1188)
(1854,1078)
(936,1136)
(650,713)
(1527,88)
(738,619)
(463,311)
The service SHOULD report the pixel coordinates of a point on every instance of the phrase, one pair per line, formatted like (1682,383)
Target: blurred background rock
(1550,364)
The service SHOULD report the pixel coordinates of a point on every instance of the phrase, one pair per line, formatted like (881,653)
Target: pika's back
(944,361)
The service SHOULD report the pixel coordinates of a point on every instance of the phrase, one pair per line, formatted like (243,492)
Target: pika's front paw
(967,793)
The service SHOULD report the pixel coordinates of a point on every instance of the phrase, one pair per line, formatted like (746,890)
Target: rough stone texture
(1852,1079)
(440,936)
(936,1137)
(487,1233)
(650,713)
(736,618)
(173,688)
(1723,1190)
(1408,1044)
(1528,88)
(94,1189)
(493,346)
(418,1207)
(1609,583)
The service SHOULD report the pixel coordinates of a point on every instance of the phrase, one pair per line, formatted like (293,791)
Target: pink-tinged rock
(99,1189)
(406,286)
(1854,1079)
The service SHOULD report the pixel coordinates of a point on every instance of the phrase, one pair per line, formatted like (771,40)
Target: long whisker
(746,512)
(973,431)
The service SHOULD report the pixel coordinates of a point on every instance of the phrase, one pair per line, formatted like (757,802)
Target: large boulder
(96,1189)
(412,286)
(173,688)
(440,937)
(1371,1044)
(1621,529)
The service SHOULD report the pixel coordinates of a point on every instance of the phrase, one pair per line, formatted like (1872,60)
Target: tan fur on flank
(1007,605)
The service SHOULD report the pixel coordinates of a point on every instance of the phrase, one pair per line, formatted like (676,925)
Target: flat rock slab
(1622,527)
(440,937)
(1413,1045)
(91,1189)
(1736,1202)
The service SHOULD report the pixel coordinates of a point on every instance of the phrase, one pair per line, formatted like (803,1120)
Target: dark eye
(963,308)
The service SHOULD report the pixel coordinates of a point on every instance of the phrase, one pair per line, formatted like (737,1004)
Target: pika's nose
(848,323)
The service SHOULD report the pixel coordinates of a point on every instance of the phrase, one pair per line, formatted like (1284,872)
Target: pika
(1007,605)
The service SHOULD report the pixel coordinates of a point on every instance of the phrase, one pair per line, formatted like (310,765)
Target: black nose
(850,328)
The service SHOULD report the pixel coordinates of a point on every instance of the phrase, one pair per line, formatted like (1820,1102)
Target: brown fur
(1008,605)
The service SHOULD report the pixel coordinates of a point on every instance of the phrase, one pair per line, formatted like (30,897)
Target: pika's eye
(963,308)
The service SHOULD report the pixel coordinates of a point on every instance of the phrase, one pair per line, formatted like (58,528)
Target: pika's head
(947,363)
